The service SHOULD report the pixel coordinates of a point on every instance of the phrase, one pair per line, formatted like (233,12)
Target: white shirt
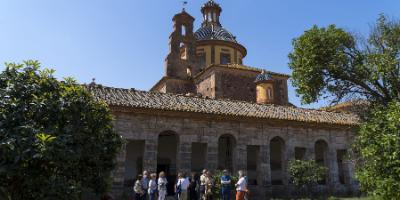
(241,184)
(184,183)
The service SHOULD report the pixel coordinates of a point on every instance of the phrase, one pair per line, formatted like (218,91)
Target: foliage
(217,183)
(379,145)
(305,174)
(56,140)
(332,63)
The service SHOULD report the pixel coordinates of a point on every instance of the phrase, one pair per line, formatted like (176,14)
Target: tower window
(225,58)
(183,30)
(202,59)
(269,93)
(209,17)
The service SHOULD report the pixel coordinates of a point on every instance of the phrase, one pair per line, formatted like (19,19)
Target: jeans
(153,196)
(225,193)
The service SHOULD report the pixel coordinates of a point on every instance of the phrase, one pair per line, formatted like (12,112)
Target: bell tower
(181,60)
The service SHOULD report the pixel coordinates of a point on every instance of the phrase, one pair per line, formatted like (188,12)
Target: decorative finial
(184,3)
(93,80)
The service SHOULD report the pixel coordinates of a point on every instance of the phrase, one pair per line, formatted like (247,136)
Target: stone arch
(277,152)
(167,159)
(321,155)
(226,147)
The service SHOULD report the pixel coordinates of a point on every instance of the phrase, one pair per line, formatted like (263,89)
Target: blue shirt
(225,181)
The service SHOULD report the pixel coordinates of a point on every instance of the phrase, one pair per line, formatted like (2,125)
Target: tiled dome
(263,77)
(214,33)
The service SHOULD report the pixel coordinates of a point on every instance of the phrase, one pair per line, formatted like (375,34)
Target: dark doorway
(167,158)
(253,153)
(133,161)
(277,146)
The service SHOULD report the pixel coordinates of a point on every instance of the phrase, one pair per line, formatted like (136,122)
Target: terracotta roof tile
(172,102)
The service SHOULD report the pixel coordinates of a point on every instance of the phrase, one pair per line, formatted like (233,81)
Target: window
(202,59)
(269,91)
(209,17)
(225,58)
(183,30)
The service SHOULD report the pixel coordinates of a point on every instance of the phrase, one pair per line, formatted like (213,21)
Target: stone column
(265,166)
(118,173)
(333,168)
(212,154)
(184,154)
(287,156)
(240,158)
(310,153)
(150,155)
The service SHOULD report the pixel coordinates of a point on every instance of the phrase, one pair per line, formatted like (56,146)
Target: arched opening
(133,161)
(167,157)
(277,147)
(321,155)
(183,30)
(183,51)
(226,146)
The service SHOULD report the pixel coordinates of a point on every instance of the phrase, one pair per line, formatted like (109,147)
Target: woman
(138,188)
(241,186)
(209,186)
(193,187)
(162,186)
(152,187)
(182,186)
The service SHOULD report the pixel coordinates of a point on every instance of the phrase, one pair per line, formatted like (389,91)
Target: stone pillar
(184,154)
(333,168)
(310,153)
(265,167)
(118,173)
(240,158)
(212,155)
(350,181)
(150,155)
(287,156)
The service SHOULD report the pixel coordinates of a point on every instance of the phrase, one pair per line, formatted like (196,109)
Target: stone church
(211,111)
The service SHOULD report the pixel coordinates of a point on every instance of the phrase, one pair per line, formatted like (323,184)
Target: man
(202,188)
(145,183)
(225,186)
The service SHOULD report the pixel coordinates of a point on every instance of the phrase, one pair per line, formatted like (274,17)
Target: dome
(214,33)
(263,77)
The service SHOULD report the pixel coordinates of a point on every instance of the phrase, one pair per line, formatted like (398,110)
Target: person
(138,188)
(182,186)
(225,186)
(162,186)
(193,187)
(145,183)
(152,186)
(202,188)
(246,194)
(241,186)
(209,186)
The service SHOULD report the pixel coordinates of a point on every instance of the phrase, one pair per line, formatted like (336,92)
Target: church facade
(210,111)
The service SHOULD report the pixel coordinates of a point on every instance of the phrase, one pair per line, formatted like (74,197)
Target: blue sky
(123,43)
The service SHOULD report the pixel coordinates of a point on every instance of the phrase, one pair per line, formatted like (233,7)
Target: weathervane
(184,3)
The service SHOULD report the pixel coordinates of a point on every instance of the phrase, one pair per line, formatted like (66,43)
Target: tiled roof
(171,102)
(244,67)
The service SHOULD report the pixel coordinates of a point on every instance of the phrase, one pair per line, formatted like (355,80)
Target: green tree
(335,64)
(305,174)
(56,140)
(379,145)
(332,63)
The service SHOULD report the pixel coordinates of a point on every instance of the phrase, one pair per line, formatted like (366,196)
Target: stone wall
(193,128)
